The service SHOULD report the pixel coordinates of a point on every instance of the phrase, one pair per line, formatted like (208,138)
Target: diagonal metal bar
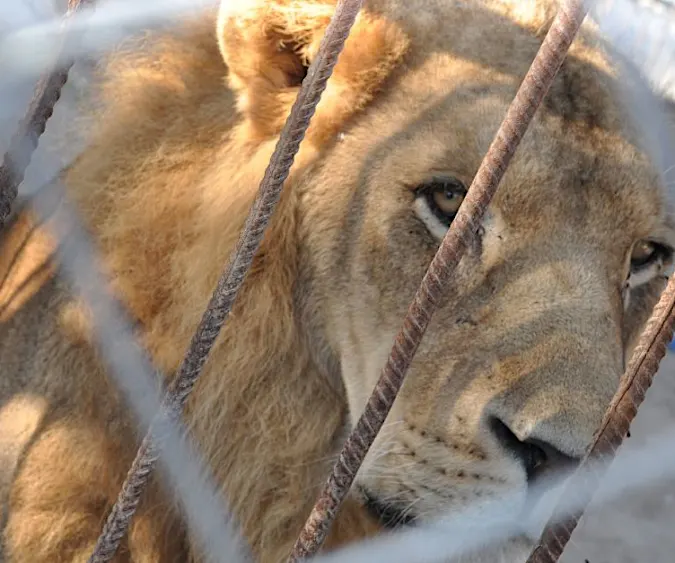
(615,425)
(644,111)
(33,124)
(233,277)
(460,235)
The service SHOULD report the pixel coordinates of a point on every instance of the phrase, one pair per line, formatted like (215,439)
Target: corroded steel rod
(25,140)
(636,380)
(460,235)
(232,278)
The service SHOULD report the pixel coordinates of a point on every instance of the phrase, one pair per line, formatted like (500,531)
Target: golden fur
(533,332)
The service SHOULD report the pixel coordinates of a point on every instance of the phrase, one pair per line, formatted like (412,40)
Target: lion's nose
(537,457)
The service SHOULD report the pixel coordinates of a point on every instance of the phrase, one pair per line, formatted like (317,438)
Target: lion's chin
(356,523)
(346,534)
(516,550)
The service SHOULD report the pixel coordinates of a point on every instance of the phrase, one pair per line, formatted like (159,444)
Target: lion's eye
(444,197)
(447,201)
(438,201)
(648,260)
(646,253)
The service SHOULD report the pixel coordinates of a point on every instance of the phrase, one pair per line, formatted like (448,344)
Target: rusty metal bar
(233,277)
(25,140)
(460,235)
(636,380)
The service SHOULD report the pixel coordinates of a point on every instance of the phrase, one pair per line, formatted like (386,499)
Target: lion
(522,355)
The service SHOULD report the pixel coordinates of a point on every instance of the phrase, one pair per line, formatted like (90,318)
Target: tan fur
(532,331)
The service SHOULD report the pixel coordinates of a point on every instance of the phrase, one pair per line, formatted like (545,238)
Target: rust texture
(460,235)
(232,279)
(25,140)
(634,384)
(636,380)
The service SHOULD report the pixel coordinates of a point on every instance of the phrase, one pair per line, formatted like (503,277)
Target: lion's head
(531,337)
(527,347)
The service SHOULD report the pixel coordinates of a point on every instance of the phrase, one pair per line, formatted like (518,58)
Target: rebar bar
(25,140)
(233,278)
(460,236)
(636,380)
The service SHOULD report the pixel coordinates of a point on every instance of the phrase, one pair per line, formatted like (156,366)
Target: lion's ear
(269,44)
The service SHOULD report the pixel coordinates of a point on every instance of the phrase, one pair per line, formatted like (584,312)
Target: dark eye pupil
(642,253)
(646,252)
(444,196)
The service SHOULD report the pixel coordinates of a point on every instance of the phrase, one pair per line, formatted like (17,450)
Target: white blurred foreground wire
(94,32)
(480,527)
(133,372)
(205,515)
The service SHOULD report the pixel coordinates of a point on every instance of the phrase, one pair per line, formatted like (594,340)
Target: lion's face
(527,347)
(529,342)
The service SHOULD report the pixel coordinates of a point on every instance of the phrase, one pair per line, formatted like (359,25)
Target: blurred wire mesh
(643,30)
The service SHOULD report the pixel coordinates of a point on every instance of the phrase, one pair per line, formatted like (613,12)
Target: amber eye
(443,196)
(646,252)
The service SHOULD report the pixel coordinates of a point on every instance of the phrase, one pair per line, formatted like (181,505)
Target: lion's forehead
(580,181)
(580,164)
